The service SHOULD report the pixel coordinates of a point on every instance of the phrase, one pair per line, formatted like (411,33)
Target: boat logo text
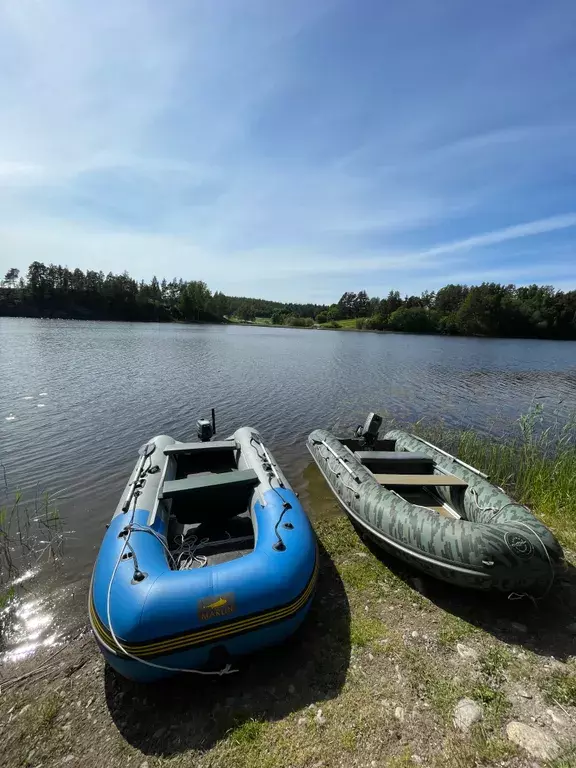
(216,606)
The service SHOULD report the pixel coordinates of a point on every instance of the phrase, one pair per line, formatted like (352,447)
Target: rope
(185,553)
(227,670)
(272,473)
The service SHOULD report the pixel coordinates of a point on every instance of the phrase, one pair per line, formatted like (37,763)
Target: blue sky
(291,149)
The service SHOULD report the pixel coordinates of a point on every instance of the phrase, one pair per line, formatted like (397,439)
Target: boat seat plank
(356,444)
(421,480)
(403,456)
(217,445)
(200,484)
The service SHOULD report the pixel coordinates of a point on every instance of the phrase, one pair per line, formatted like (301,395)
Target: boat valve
(138,576)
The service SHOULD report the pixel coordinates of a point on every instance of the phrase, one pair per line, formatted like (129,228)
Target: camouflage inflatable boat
(435,512)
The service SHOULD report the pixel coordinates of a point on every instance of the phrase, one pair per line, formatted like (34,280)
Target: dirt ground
(374,678)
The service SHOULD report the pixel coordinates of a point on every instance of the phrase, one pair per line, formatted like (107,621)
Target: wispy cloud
(268,147)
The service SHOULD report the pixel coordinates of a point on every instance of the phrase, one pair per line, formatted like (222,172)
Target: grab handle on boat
(454,458)
(340,459)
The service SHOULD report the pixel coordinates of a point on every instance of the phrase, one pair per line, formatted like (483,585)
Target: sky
(291,149)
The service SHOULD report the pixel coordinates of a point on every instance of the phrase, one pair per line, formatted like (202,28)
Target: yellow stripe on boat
(209,635)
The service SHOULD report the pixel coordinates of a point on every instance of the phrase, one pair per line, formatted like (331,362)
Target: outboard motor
(206,429)
(369,432)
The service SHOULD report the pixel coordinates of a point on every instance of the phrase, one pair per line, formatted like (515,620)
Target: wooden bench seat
(217,445)
(421,480)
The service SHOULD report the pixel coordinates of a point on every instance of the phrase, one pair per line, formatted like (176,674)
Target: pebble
(399,714)
(320,719)
(415,633)
(144,764)
(535,741)
(466,713)
(301,721)
(525,694)
(467,653)
(556,718)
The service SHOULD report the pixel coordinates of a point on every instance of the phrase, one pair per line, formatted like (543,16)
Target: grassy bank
(536,465)
(373,678)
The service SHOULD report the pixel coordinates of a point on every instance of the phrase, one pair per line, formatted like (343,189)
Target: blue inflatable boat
(209,556)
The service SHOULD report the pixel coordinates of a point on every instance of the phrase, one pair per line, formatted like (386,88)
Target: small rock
(371,657)
(415,634)
(399,714)
(467,653)
(417,759)
(320,719)
(312,706)
(535,741)
(144,764)
(466,713)
(301,721)
(556,718)
(571,628)
(361,554)
(524,694)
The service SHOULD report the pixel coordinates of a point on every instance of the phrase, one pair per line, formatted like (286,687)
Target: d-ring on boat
(209,555)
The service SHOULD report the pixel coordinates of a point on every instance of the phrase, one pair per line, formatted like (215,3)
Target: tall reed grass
(535,463)
(30,533)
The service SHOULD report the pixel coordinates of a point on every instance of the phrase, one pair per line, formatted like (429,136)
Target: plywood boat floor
(423,499)
(216,541)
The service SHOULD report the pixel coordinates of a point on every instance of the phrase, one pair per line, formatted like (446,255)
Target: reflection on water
(79,398)
(26,623)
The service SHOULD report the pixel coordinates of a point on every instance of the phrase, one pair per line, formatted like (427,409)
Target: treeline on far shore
(489,309)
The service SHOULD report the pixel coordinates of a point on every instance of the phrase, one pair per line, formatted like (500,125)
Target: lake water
(77,399)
